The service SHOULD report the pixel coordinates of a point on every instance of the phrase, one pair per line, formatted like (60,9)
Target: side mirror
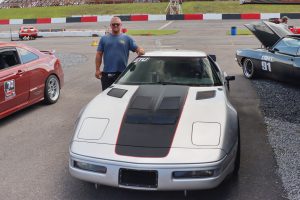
(213,57)
(228,79)
(271,50)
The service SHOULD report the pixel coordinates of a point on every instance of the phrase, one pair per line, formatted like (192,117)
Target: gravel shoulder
(281,109)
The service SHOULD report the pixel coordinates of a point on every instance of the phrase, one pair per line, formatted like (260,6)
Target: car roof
(175,53)
(27,26)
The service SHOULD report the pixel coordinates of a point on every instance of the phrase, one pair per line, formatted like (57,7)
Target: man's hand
(140,51)
(98,74)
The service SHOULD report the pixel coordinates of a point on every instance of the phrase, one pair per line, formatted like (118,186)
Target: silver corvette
(165,124)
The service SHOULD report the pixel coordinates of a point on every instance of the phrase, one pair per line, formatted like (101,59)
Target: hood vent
(142,103)
(170,103)
(205,95)
(116,92)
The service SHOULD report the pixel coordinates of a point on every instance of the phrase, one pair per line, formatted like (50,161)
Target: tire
(238,155)
(52,90)
(249,69)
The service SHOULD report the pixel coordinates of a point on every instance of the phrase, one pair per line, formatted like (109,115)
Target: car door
(36,73)
(14,80)
(282,65)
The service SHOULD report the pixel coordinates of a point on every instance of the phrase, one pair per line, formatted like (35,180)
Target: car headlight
(92,128)
(89,167)
(195,174)
(206,134)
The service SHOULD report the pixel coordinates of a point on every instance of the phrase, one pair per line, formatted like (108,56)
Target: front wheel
(52,90)
(249,69)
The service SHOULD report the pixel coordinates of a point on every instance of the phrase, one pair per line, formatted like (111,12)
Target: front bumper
(165,171)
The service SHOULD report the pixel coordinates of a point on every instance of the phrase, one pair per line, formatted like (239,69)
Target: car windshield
(288,46)
(192,71)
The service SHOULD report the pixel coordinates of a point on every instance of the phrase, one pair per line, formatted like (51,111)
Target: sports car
(278,59)
(165,124)
(27,76)
(29,32)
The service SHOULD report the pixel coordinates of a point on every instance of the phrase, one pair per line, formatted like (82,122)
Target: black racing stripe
(142,151)
(150,121)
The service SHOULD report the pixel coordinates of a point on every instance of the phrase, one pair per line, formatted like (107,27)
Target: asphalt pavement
(34,142)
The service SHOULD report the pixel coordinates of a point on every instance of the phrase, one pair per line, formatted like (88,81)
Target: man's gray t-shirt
(115,50)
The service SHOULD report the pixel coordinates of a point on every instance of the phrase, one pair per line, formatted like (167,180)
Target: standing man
(114,48)
(284,21)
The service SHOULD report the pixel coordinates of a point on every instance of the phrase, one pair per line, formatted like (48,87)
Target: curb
(146,17)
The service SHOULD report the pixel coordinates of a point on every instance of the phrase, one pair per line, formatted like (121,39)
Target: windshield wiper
(174,83)
(168,83)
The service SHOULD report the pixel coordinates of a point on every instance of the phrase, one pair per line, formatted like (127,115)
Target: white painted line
(164,26)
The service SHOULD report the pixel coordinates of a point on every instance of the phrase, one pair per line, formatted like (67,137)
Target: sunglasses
(115,24)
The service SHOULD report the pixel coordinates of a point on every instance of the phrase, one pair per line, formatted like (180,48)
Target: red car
(27,76)
(295,30)
(29,32)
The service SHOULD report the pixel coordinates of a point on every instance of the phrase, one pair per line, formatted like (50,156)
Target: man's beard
(116,32)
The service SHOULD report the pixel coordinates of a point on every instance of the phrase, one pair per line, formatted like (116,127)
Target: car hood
(149,120)
(268,33)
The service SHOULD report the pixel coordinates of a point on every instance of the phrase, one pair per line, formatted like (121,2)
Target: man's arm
(98,62)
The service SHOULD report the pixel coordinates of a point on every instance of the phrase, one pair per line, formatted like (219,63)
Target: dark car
(278,59)
(27,76)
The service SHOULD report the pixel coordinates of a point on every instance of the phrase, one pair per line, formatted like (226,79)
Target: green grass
(241,32)
(151,32)
(145,8)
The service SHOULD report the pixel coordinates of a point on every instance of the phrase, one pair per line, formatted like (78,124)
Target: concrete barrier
(146,17)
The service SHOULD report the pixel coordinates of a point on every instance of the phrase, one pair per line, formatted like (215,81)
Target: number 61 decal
(266,66)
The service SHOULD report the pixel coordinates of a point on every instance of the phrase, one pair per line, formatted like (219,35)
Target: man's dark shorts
(108,79)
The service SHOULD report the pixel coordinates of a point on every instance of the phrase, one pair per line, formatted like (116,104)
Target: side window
(27,56)
(288,46)
(9,58)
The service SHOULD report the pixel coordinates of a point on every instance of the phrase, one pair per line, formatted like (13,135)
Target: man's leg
(107,81)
